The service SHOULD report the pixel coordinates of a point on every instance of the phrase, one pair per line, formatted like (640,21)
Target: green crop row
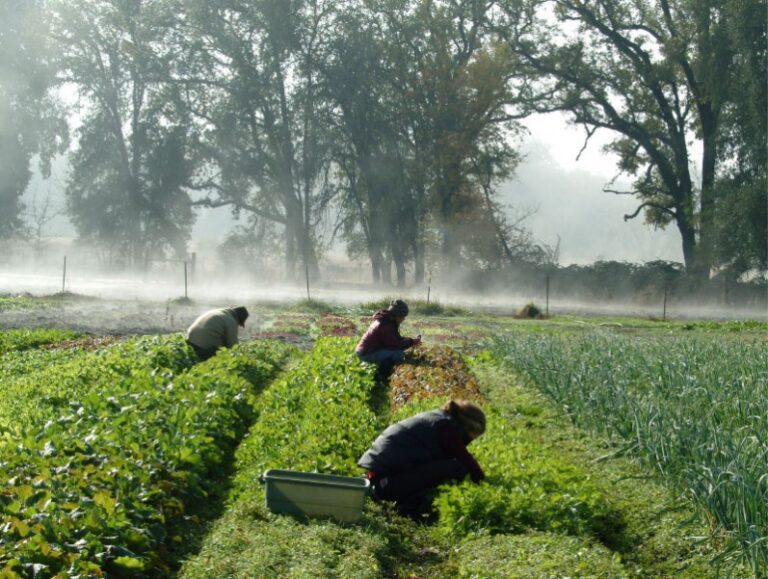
(696,410)
(316,417)
(14,365)
(97,490)
(525,489)
(13,303)
(536,514)
(41,391)
(551,506)
(12,340)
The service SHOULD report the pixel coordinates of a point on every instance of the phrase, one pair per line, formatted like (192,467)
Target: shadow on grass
(185,537)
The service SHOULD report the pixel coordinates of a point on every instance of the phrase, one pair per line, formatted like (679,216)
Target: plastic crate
(308,494)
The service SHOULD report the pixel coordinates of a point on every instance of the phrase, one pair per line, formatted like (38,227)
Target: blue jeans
(380,356)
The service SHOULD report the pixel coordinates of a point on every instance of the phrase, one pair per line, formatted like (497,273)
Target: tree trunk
(397,255)
(688,235)
(706,217)
(290,242)
(375,267)
(418,260)
(386,270)
(449,249)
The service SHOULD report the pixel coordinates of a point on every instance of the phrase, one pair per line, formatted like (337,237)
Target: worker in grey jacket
(215,329)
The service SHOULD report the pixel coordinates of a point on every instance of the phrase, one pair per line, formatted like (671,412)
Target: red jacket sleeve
(390,339)
(452,443)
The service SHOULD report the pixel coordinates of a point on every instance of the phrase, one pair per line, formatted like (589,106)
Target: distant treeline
(387,124)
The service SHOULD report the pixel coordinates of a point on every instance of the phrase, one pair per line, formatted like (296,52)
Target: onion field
(694,409)
(614,449)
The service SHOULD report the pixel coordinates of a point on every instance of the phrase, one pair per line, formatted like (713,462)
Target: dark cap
(241,314)
(398,308)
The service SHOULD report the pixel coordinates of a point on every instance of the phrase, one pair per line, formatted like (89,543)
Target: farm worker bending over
(215,329)
(382,343)
(417,454)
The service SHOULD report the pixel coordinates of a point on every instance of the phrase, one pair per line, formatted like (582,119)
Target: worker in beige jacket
(215,329)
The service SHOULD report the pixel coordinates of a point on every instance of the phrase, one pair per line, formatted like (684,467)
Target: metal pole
(64,276)
(547,302)
(664,314)
(185,279)
(306,273)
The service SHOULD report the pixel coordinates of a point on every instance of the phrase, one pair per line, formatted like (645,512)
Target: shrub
(529,311)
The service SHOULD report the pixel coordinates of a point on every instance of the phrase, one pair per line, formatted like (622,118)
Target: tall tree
(127,185)
(379,203)
(457,103)
(422,100)
(741,204)
(31,119)
(266,139)
(656,74)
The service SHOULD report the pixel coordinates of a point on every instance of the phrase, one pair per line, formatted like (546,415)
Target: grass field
(616,447)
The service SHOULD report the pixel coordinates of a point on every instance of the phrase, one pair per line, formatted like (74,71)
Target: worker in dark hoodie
(413,457)
(382,343)
(215,329)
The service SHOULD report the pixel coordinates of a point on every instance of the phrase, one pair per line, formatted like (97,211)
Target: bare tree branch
(667,210)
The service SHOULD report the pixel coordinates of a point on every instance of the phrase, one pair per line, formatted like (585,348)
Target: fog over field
(563,195)
(563,198)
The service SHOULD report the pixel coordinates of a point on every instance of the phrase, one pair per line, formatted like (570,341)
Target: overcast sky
(571,203)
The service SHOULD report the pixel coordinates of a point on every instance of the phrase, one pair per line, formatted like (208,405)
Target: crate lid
(316,479)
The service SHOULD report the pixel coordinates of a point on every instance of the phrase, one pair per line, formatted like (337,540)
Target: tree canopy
(387,124)
(665,78)
(31,120)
